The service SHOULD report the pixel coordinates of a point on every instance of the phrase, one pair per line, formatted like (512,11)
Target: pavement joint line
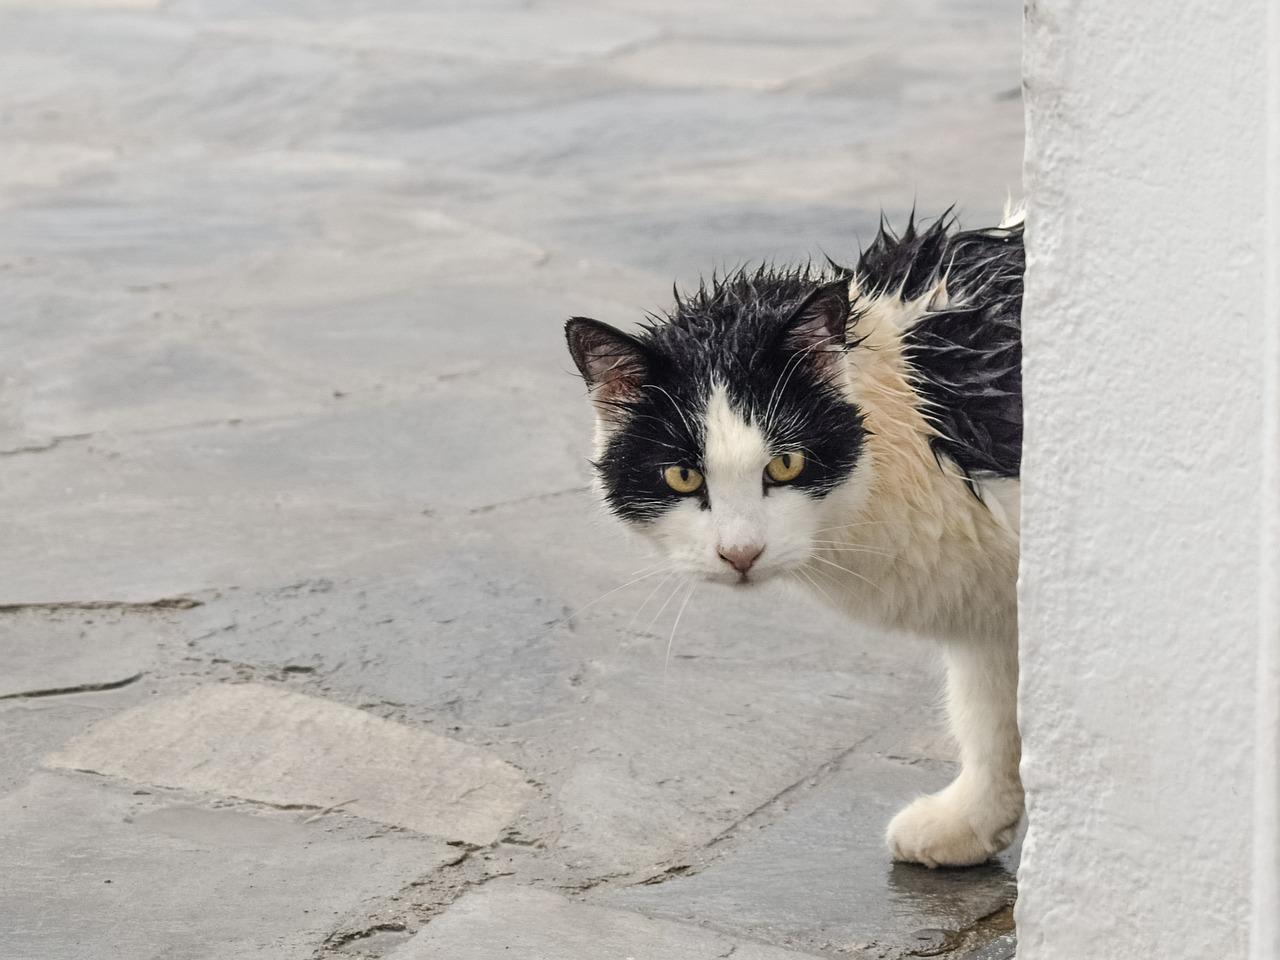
(161,429)
(535,498)
(452,879)
(704,856)
(164,603)
(50,444)
(350,936)
(810,780)
(78,688)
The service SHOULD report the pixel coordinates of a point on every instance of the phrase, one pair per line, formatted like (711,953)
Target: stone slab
(261,743)
(525,924)
(95,870)
(819,878)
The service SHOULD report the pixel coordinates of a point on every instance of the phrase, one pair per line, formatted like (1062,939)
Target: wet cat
(862,429)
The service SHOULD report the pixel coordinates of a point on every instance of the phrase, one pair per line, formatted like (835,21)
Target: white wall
(1151,393)
(1266,875)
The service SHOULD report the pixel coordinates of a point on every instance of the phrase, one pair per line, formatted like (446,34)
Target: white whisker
(855,523)
(671,639)
(666,603)
(852,573)
(844,545)
(586,606)
(652,593)
(680,410)
(803,575)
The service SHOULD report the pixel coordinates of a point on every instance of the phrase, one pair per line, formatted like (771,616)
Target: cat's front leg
(976,816)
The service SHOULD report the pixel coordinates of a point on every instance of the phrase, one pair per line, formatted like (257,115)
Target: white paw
(939,831)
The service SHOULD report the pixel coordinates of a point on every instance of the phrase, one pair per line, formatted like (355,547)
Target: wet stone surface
(504,920)
(817,879)
(99,869)
(300,559)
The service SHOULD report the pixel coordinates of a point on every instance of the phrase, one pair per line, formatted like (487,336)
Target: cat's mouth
(733,579)
(744,579)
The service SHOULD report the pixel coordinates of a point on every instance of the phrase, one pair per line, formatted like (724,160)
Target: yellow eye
(683,479)
(785,467)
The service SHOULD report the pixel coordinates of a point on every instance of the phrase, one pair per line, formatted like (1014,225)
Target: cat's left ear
(817,324)
(613,364)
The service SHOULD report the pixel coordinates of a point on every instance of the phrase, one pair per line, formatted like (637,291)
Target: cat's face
(724,433)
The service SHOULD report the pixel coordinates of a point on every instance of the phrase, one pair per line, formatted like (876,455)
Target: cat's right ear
(612,363)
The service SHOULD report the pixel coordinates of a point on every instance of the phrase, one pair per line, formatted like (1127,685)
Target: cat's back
(961,335)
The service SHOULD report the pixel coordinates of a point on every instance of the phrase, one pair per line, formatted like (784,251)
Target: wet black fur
(763,335)
(968,352)
(747,332)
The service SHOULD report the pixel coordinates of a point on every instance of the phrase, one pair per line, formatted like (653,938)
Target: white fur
(903,543)
(734,458)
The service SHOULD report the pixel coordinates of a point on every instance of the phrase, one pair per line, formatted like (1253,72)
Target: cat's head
(724,431)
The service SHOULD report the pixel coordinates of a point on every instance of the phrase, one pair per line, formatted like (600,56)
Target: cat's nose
(741,558)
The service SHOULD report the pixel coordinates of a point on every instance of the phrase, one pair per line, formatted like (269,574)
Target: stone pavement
(308,641)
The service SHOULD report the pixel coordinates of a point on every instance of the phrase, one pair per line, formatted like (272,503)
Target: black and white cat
(860,430)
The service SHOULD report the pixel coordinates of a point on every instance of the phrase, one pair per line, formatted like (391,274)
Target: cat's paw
(939,831)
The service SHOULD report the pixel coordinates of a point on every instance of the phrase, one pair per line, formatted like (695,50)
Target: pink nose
(741,558)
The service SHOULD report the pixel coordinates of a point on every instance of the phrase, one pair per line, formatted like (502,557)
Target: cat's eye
(683,479)
(785,467)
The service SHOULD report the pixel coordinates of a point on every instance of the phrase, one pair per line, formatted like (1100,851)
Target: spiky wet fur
(913,519)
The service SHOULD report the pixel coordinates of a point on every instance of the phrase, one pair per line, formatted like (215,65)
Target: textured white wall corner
(1266,876)
(1145,588)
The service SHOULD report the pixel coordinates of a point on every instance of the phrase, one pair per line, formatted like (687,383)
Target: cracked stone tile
(310,494)
(53,649)
(501,920)
(93,870)
(261,743)
(819,877)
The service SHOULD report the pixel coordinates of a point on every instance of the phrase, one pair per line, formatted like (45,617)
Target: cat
(859,429)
